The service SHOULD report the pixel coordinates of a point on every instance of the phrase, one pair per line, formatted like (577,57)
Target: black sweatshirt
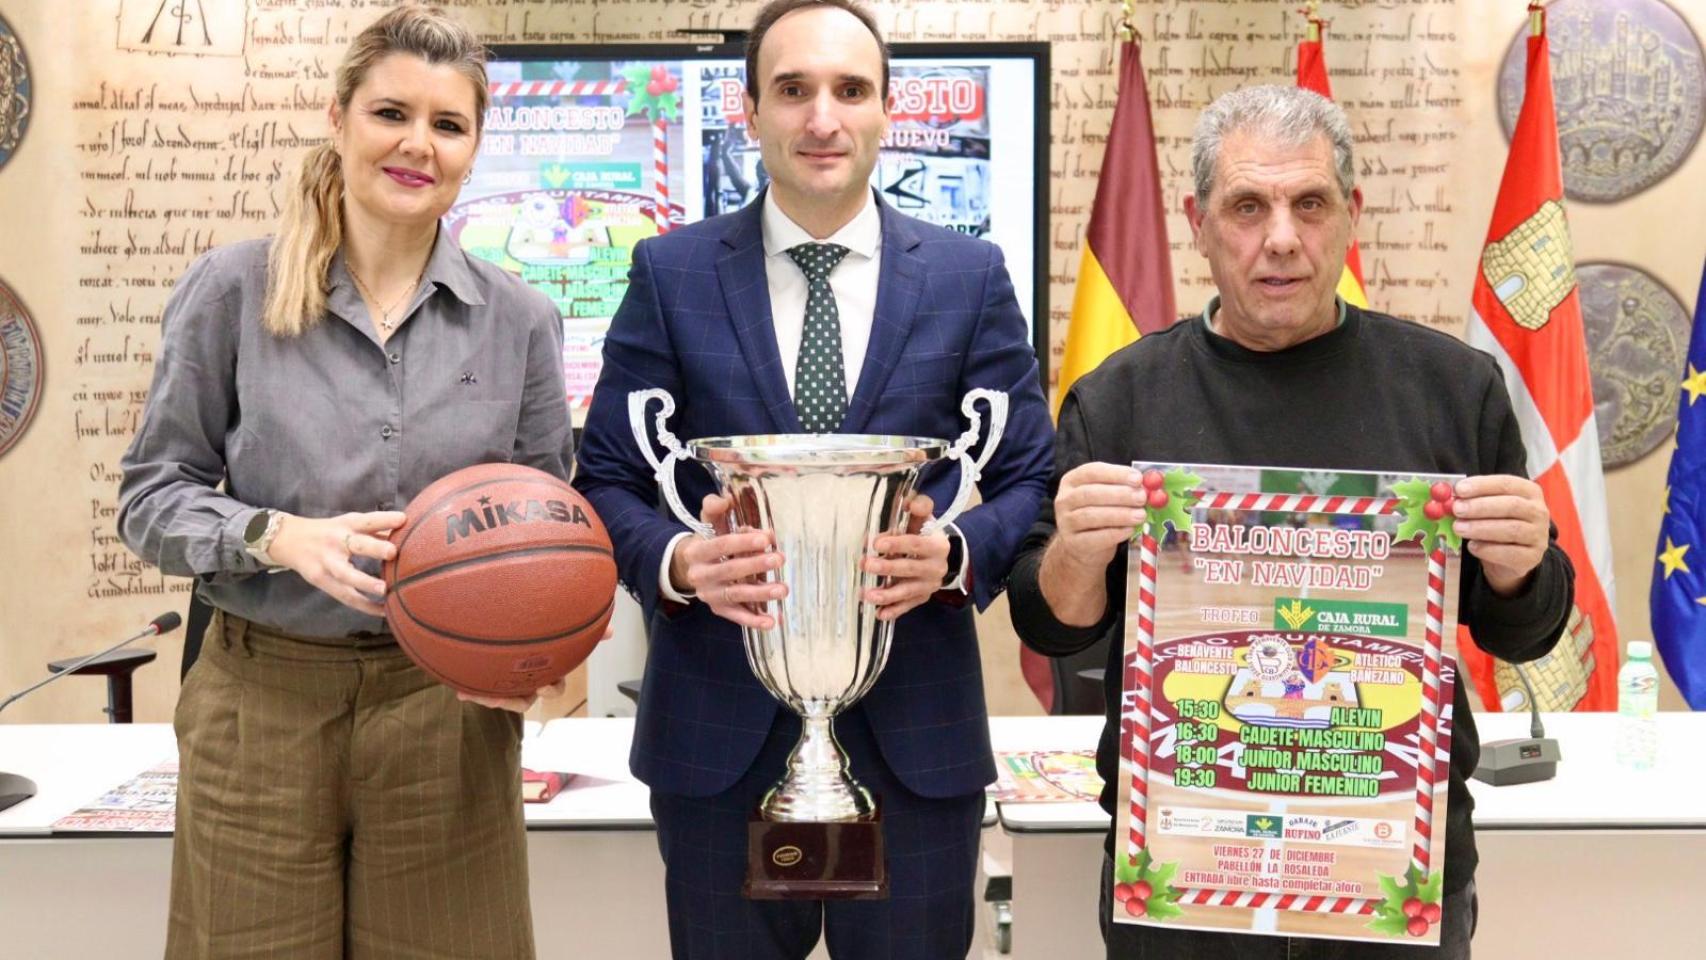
(1376,394)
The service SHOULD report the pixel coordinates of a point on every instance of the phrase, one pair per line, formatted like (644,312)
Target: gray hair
(1287,114)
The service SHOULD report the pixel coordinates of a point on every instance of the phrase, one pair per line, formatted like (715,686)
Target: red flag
(1312,75)
(1527,313)
(1125,277)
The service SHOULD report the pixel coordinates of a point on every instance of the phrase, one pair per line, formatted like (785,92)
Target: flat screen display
(588,150)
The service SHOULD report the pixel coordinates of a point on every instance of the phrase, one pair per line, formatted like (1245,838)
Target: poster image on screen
(587,151)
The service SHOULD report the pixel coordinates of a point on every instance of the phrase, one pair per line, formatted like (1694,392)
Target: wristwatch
(259,534)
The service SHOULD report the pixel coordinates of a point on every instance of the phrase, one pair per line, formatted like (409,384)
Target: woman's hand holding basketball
(321,550)
(524,704)
(727,571)
(519,704)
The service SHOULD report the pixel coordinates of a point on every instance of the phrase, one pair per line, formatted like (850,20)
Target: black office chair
(117,667)
(195,626)
(1077,680)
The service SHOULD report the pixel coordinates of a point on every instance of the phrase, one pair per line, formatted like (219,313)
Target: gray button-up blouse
(331,421)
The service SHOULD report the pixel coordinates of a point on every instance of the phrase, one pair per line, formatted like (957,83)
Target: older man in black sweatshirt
(1278,370)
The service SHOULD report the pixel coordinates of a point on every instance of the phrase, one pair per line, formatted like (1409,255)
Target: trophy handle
(971,470)
(664,470)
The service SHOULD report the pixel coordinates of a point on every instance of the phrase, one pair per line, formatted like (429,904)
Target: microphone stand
(16,788)
(1522,759)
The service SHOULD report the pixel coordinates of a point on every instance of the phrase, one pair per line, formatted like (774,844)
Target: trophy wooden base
(841,860)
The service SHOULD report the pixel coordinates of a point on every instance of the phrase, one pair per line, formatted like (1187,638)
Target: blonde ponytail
(310,231)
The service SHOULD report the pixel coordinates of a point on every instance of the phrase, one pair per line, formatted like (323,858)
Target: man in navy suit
(815,309)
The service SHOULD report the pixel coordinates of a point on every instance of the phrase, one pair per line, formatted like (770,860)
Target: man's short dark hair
(777,9)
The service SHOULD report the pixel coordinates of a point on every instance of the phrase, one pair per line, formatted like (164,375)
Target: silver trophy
(824,498)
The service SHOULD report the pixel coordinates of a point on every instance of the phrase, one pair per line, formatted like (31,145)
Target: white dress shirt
(854,282)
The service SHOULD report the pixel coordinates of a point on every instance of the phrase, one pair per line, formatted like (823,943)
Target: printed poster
(146,803)
(934,164)
(578,163)
(1286,732)
(1045,776)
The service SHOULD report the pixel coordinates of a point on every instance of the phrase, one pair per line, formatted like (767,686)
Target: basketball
(503,580)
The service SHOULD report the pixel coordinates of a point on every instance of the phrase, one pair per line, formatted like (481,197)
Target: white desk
(595,876)
(1598,862)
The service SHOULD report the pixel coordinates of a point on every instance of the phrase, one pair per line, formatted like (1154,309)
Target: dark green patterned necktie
(820,380)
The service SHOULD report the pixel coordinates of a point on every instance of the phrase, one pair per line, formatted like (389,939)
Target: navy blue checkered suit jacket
(696,322)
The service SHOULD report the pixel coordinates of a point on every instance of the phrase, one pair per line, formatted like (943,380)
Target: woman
(333,800)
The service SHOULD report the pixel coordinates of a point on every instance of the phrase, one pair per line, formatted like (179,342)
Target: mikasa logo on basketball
(471,521)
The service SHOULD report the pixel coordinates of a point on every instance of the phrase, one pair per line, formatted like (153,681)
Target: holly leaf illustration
(1181,487)
(1160,907)
(1448,533)
(666,105)
(1179,483)
(1413,497)
(1396,894)
(1161,876)
(1431,889)
(1394,926)
(1415,492)
(637,76)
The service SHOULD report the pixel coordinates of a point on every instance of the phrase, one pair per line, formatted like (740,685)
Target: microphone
(1523,759)
(15,788)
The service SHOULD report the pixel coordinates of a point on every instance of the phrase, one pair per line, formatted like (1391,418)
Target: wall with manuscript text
(147,139)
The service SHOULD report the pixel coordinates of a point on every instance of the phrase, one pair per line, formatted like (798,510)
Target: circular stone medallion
(20,368)
(1628,78)
(1637,332)
(14,92)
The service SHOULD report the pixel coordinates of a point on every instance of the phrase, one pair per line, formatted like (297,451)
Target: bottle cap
(1640,650)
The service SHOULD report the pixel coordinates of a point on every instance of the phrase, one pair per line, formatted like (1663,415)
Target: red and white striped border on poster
(605,88)
(660,171)
(1140,679)
(1297,503)
(1143,679)
(1251,900)
(559,88)
(1426,764)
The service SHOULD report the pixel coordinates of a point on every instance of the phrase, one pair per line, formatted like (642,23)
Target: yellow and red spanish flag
(1125,278)
(1312,75)
(1527,313)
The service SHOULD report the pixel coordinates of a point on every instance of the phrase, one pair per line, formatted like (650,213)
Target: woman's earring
(468,176)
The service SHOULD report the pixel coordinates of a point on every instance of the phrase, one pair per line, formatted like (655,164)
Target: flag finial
(1311,11)
(1127,28)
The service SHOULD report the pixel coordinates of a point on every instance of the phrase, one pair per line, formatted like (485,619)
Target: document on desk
(1045,776)
(146,803)
(1286,730)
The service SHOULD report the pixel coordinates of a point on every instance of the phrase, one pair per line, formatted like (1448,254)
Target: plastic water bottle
(1637,708)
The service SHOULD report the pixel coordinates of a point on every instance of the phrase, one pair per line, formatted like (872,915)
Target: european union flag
(1679,576)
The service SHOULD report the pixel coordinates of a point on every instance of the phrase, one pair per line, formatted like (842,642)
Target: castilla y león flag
(1527,313)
